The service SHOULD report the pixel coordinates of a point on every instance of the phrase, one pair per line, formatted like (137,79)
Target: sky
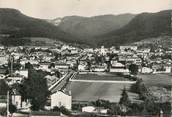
(49,9)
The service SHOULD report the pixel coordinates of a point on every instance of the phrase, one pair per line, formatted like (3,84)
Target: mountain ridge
(94,31)
(16,24)
(144,25)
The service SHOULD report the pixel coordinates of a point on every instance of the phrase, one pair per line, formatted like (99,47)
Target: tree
(139,88)
(56,109)
(151,107)
(35,88)
(14,41)
(65,110)
(102,103)
(12,108)
(124,102)
(16,65)
(3,111)
(88,64)
(58,74)
(3,87)
(28,65)
(114,109)
(133,69)
(135,87)
(52,65)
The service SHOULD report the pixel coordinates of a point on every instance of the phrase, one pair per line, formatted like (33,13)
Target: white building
(119,70)
(128,47)
(89,109)
(16,100)
(22,73)
(146,70)
(92,109)
(82,67)
(60,98)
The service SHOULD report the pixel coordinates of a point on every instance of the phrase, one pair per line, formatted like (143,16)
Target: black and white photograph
(85,58)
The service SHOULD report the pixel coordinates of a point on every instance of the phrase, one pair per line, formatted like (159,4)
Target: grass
(84,91)
(100,76)
(160,80)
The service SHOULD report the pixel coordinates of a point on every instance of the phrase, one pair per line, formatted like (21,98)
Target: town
(70,81)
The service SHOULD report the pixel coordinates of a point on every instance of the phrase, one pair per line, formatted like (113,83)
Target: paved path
(103,81)
(61,83)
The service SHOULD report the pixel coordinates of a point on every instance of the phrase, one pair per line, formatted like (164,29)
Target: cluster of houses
(59,60)
(14,65)
(118,60)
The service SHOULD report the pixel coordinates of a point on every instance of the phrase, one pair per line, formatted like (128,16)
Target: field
(87,91)
(91,91)
(100,76)
(160,80)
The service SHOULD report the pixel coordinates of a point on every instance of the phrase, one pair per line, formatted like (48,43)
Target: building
(61,66)
(82,67)
(60,98)
(128,47)
(118,67)
(89,109)
(16,100)
(145,70)
(23,73)
(92,109)
(99,68)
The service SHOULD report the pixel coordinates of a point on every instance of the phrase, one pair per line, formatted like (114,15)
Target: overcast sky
(49,9)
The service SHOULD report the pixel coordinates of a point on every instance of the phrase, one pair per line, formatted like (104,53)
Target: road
(62,82)
(104,81)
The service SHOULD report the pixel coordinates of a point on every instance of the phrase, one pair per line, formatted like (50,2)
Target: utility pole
(11,60)
(8,95)
(171,20)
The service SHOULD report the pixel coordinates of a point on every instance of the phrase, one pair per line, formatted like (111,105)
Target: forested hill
(18,25)
(108,30)
(145,25)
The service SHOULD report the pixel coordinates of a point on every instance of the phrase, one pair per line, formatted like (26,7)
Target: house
(119,70)
(3,60)
(24,61)
(22,73)
(92,109)
(117,64)
(130,59)
(14,79)
(89,109)
(60,98)
(48,58)
(82,67)
(162,69)
(61,66)
(128,47)
(99,68)
(16,100)
(102,50)
(74,51)
(118,67)
(44,65)
(145,70)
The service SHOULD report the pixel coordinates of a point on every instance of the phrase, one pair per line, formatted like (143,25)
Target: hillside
(145,25)
(108,30)
(85,28)
(18,25)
